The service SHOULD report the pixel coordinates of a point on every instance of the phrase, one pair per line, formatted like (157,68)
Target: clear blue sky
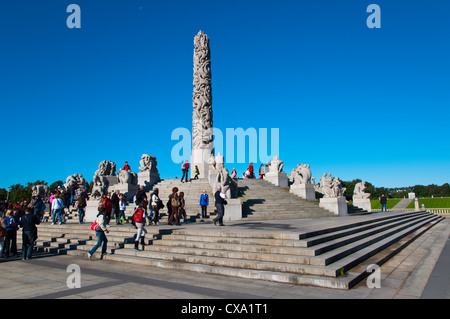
(357,102)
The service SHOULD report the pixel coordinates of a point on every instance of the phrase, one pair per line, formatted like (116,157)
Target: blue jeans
(383,208)
(56,212)
(28,239)
(101,239)
(185,175)
(81,215)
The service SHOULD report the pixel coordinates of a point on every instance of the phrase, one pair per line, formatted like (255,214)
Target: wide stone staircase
(262,200)
(335,255)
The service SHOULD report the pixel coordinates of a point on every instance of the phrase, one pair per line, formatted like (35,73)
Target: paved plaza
(418,271)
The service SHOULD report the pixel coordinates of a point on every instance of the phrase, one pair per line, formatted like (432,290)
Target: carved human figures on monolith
(202,119)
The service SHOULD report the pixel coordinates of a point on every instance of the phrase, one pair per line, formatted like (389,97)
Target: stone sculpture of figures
(229,185)
(41,190)
(276,165)
(359,193)
(223,178)
(148,163)
(202,134)
(100,187)
(76,180)
(301,174)
(212,163)
(106,168)
(330,187)
(127,177)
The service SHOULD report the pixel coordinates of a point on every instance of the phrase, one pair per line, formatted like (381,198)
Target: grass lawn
(391,202)
(432,202)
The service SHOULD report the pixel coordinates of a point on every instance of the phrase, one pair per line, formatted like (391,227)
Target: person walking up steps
(139,220)
(219,197)
(100,232)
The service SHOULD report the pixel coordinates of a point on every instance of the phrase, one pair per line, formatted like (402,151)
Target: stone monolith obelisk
(202,121)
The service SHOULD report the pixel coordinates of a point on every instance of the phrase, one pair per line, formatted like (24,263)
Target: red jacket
(108,206)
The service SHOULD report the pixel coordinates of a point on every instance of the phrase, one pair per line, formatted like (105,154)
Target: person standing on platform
(219,197)
(204,202)
(175,204)
(185,170)
(28,223)
(383,202)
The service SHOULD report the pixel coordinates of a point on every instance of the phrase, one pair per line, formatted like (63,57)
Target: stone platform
(331,252)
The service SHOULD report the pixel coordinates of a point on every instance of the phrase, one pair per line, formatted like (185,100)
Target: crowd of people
(28,215)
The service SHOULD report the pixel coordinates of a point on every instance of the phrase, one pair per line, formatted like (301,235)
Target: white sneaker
(89,256)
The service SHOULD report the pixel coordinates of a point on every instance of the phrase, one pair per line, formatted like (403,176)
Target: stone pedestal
(305,191)
(337,205)
(147,179)
(233,209)
(363,203)
(278,179)
(200,157)
(129,190)
(112,180)
(91,211)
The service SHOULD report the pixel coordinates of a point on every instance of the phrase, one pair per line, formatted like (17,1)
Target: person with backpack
(139,217)
(28,223)
(100,232)
(175,204)
(185,170)
(12,225)
(204,202)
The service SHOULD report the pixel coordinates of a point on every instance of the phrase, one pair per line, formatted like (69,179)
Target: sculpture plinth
(91,210)
(305,191)
(233,210)
(148,179)
(276,175)
(337,205)
(363,203)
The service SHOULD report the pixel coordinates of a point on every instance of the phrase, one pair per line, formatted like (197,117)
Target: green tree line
(19,193)
(398,192)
